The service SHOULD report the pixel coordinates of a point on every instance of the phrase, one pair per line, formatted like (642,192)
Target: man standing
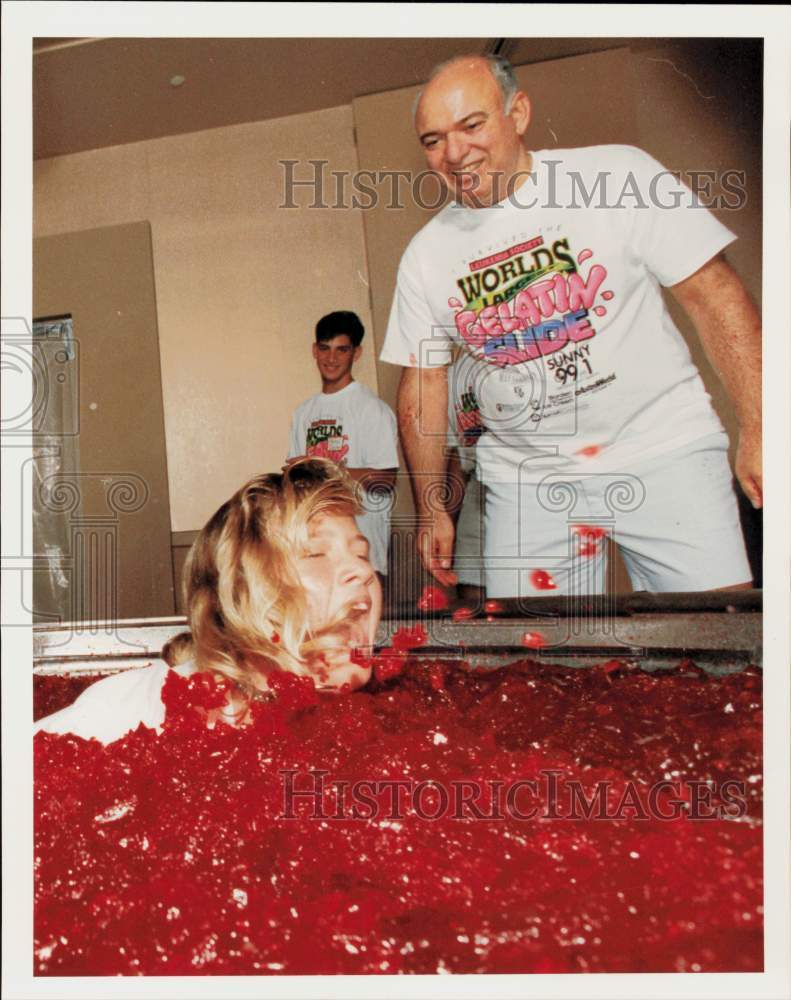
(547,267)
(348,424)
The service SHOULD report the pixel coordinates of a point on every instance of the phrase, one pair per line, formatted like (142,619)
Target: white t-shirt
(464,431)
(464,414)
(355,427)
(116,705)
(558,289)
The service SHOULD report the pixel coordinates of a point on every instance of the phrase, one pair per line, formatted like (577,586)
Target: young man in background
(348,424)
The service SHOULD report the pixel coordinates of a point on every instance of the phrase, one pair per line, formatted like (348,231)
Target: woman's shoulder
(115,705)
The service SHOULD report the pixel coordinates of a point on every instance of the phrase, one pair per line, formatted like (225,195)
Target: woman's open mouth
(359,619)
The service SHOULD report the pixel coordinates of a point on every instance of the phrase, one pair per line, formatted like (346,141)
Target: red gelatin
(436,677)
(542,580)
(534,640)
(183,854)
(493,607)
(462,614)
(433,599)
(409,638)
(590,531)
(385,668)
(589,451)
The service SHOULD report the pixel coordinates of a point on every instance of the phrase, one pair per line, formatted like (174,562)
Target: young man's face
(467,138)
(334,359)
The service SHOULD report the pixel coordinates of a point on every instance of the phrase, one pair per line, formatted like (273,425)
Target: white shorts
(468,549)
(674,518)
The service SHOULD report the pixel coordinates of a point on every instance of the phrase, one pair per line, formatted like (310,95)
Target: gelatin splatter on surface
(534,640)
(408,638)
(589,536)
(541,580)
(433,599)
(589,451)
(174,855)
(589,531)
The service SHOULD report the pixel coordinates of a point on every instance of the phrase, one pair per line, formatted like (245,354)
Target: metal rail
(718,628)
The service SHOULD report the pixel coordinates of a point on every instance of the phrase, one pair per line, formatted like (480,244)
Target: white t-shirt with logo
(355,427)
(558,290)
(464,415)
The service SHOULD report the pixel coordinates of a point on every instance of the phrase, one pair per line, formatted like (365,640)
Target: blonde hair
(247,608)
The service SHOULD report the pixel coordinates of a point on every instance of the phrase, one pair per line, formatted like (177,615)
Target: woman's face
(340,583)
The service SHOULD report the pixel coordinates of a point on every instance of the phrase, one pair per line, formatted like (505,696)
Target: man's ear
(520,111)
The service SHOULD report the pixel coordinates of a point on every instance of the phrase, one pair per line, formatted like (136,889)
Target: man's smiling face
(468,139)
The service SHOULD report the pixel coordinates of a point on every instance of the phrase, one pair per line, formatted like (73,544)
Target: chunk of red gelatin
(534,640)
(293,692)
(432,599)
(385,668)
(409,638)
(436,677)
(275,637)
(612,665)
(588,549)
(462,614)
(493,607)
(591,531)
(542,580)
(589,450)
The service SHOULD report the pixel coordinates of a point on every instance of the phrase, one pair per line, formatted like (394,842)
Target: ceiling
(94,92)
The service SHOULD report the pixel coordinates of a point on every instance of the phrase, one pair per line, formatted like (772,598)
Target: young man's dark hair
(335,323)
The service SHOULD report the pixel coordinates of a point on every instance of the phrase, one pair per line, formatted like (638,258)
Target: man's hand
(748,467)
(435,545)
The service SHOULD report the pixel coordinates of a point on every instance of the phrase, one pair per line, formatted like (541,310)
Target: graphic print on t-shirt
(529,301)
(469,424)
(325,439)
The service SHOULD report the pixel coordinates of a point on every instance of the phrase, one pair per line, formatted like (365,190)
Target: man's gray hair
(501,70)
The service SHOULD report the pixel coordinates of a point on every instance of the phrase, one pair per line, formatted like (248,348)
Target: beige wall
(239,283)
(116,530)
(694,112)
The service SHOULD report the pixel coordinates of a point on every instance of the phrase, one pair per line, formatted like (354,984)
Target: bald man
(547,267)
